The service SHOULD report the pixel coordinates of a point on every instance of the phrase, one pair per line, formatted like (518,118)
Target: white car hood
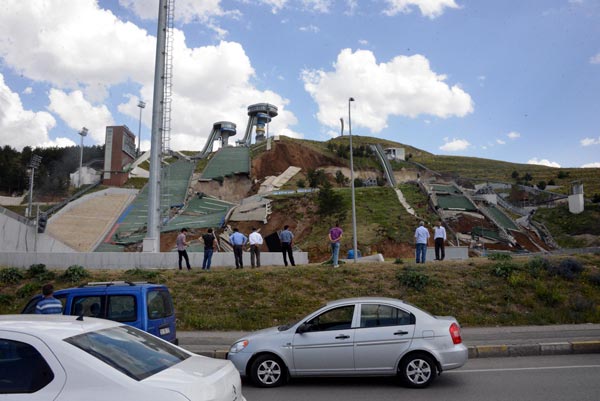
(201,379)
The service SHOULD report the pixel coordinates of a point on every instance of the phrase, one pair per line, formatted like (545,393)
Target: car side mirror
(303,328)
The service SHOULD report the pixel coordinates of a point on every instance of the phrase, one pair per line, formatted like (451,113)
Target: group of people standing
(422,239)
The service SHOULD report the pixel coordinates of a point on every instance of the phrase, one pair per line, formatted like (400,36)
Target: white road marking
(520,369)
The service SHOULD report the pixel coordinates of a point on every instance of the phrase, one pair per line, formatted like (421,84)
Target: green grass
(564,226)
(227,299)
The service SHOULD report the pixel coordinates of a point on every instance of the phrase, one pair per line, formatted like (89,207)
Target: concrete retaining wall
(132,260)
(452,253)
(16,236)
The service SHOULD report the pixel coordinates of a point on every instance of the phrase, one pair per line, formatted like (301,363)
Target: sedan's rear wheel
(268,371)
(418,370)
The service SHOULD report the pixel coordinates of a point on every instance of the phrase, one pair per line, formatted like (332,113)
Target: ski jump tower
(221,130)
(259,115)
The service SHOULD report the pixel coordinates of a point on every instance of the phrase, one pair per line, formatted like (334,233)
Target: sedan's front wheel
(418,370)
(268,371)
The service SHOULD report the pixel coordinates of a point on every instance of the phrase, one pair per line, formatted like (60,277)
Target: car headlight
(239,346)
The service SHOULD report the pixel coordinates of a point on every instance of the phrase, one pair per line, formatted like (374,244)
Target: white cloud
(363,42)
(595,59)
(309,28)
(500,142)
(77,112)
(513,135)
(428,8)
(320,6)
(186,11)
(28,90)
(67,44)
(59,143)
(276,5)
(590,141)
(543,162)
(405,86)
(20,127)
(591,165)
(454,145)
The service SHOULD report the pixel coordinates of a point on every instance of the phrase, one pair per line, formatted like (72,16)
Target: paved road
(542,378)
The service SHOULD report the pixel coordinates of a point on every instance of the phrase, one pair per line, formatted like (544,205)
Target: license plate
(164,331)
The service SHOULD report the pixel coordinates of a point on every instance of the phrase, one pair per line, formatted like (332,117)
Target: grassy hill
(479,292)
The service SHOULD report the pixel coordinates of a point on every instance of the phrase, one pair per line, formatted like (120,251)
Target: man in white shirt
(255,240)
(439,237)
(421,238)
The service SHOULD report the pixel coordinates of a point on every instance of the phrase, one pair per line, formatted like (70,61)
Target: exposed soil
(285,154)
(233,189)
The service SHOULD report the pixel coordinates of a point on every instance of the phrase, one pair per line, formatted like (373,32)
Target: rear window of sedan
(133,352)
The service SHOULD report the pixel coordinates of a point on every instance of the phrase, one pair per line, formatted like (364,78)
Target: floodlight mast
(354,241)
(83,132)
(152,239)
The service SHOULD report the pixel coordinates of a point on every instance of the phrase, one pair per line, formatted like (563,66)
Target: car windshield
(129,350)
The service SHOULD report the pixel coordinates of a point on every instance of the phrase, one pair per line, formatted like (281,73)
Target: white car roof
(365,299)
(53,326)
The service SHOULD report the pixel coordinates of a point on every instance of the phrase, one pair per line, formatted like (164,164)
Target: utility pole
(33,164)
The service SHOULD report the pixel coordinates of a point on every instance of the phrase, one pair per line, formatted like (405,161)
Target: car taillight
(455,333)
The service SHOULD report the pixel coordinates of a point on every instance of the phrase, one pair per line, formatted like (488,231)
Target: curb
(497,351)
(541,349)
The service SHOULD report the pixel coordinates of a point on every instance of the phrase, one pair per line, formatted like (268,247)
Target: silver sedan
(354,337)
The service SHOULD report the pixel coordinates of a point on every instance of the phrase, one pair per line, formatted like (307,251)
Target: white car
(60,358)
(354,337)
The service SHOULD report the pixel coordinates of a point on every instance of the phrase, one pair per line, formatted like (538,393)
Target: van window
(87,306)
(122,308)
(22,368)
(160,304)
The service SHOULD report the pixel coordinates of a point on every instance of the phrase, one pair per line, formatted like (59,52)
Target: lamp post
(33,164)
(354,242)
(83,132)
(141,105)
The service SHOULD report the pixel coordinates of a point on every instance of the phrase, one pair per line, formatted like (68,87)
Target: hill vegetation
(480,292)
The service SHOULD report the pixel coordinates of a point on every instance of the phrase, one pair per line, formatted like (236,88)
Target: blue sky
(513,80)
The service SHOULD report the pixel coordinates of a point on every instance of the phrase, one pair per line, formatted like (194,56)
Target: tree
(515,175)
(340,178)
(316,178)
(527,177)
(331,203)
(541,185)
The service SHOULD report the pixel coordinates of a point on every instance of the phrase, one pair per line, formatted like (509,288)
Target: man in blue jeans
(286,238)
(421,238)
(335,236)
(238,240)
(210,244)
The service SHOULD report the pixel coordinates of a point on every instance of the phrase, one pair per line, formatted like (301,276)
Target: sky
(511,80)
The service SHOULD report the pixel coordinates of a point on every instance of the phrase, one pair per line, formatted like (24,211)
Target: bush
(142,273)
(11,275)
(567,269)
(503,269)
(551,297)
(594,278)
(75,273)
(398,261)
(499,256)
(413,278)
(537,264)
(36,270)
(28,290)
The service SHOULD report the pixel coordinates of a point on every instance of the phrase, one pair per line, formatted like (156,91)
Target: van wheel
(417,370)
(268,371)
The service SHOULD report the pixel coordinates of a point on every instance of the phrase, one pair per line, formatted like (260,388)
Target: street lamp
(141,105)
(354,246)
(83,132)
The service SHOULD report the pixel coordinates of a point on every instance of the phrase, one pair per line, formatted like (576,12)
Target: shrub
(551,297)
(398,261)
(537,264)
(10,275)
(301,183)
(413,278)
(503,269)
(36,270)
(594,278)
(142,273)
(75,273)
(499,256)
(28,290)
(567,269)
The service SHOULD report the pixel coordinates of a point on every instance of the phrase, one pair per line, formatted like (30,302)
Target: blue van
(146,306)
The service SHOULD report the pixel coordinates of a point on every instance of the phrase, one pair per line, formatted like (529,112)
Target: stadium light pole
(354,241)
(141,105)
(83,132)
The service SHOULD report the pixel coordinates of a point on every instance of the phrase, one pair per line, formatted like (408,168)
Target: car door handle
(342,337)
(400,333)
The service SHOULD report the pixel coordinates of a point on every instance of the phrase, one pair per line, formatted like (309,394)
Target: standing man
(421,238)
(210,244)
(256,241)
(238,240)
(286,237)
(335,237)
(48,305)
(439,237)
(181,245)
